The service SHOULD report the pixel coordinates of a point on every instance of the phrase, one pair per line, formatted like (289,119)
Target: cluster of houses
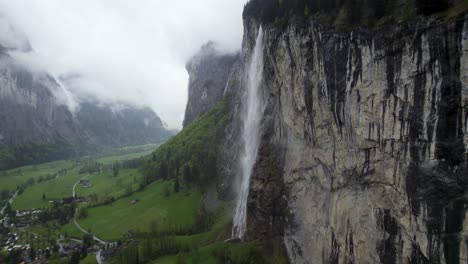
(25,218)
(8,241)
(110,250)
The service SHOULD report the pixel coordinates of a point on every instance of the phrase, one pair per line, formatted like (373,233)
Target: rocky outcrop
(363,156)
(209,72)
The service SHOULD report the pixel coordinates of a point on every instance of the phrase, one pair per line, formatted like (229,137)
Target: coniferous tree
(187,173)
(432,6)
(116,169)
(32,253)
(163,170)
(195,175)
(379,8)
(176,185)
(75,258)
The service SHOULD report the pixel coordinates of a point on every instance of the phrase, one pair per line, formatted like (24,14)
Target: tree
(75,258)
(87,240)
(167,191)
(4,194)
(163,170)
(137,258)
(83,213)
(115,169)
(379,8)
(32,253)
(176,185)
(432,6)
(187,173)
(177,165)
(195,175)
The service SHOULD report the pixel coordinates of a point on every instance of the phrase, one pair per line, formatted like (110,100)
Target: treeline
(90,166)
(133,163)
(151,248)
(349,11)
(161,240)
(189,158)
(35,153)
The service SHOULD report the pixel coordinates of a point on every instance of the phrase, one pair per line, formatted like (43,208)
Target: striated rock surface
(364,142)
(209,71)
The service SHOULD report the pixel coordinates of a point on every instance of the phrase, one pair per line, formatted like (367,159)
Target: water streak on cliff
(250,134)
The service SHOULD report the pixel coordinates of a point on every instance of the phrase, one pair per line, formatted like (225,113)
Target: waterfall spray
(250,133)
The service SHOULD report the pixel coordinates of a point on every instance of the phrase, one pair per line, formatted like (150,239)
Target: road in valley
(12,198)
(98,254)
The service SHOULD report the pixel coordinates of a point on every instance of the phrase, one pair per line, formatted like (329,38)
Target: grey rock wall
(209,71)
(364,143)
(30,110)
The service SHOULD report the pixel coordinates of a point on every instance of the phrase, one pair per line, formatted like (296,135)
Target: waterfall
(252,114)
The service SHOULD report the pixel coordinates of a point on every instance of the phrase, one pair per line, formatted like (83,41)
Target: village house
(85,183)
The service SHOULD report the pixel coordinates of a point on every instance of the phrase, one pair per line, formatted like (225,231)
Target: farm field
(61,186)
(109,222)
(105,185)
(54,189)
(111,159)
(11,179)
(90,259)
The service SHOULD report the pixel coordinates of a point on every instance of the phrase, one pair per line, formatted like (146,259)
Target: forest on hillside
(351,12)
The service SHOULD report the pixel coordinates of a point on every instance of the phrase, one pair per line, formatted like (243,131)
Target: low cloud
(120,50)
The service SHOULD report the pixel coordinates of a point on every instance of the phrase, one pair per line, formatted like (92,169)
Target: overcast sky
(126,50)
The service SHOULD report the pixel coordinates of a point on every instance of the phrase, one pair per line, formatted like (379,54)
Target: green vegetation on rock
(191,156)
(344,12)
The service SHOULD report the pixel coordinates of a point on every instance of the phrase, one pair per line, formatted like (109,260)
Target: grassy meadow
(111,159)
(105,185)
(54,189)
(58,187)
(11,179)
(109,222)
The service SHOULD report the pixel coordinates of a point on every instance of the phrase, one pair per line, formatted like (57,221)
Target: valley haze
(122,51)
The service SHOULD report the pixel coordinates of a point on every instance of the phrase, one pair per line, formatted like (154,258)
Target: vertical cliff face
(30,110)
(209,71)
(363,157)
